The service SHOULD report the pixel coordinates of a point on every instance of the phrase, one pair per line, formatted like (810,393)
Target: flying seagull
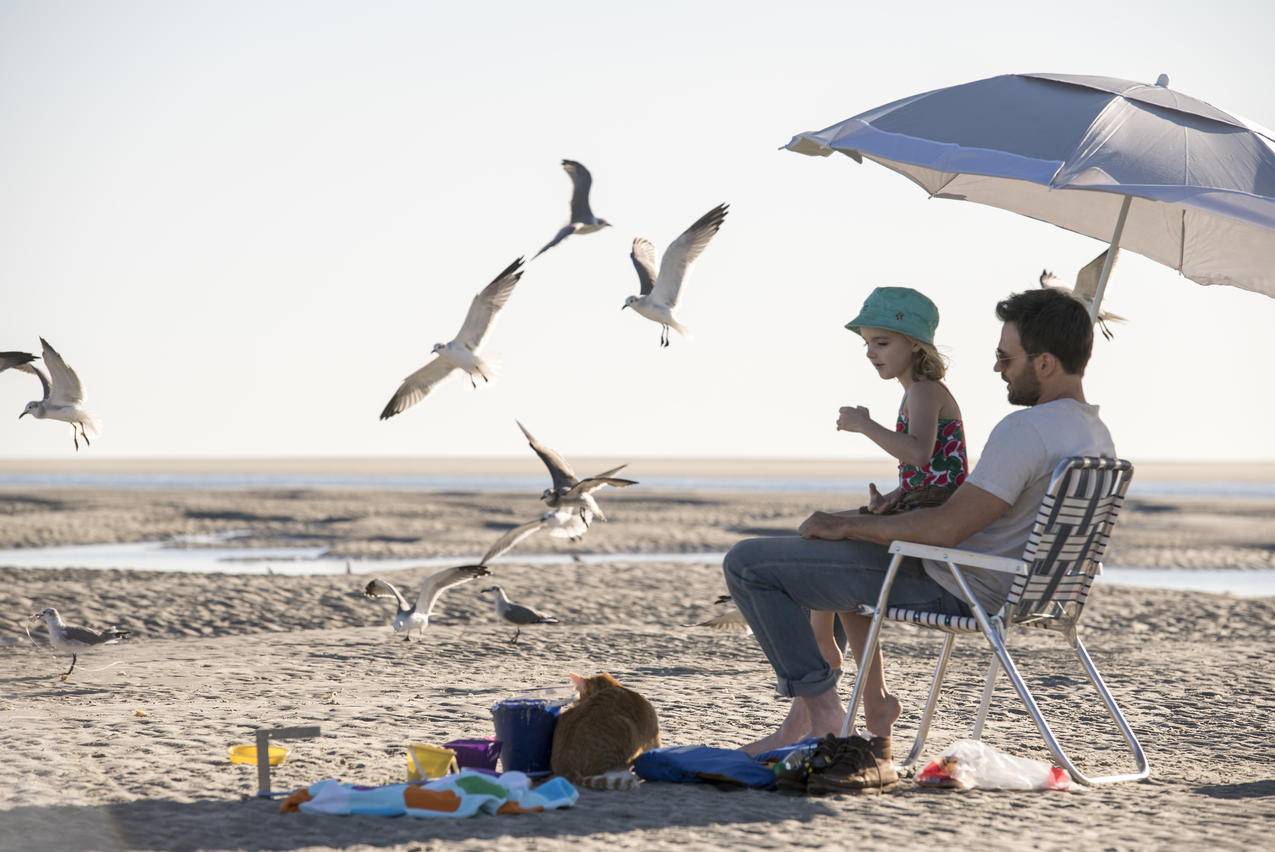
(582,219)
(63,394)
(516,614)
(1086,287)
(415,616)
(659,293)
(462,352)
(74,640)
(569,493)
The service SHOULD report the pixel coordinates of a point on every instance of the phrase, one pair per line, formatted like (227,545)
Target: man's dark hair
(1053,321)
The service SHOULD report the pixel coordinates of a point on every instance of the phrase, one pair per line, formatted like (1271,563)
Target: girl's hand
(853,419)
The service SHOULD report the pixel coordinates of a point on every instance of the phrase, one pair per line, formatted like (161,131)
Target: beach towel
(702,764)
(450,797)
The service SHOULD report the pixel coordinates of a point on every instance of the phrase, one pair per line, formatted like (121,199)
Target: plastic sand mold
(426,762)
(247,753)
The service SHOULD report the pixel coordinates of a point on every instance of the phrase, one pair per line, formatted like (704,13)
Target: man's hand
(853,418)
(826,526)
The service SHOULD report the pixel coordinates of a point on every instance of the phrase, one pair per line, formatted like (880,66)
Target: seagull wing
(88,637)
(563,476)
(66,387)
(489,300)
(733,620)
(581,183)
(510,539)
(13,359)
(682,253)
(566,231)
(415,387)
(592,483)
(378,588)
(643,256)
(1087,277)
(438,583)
(39,374)
(520,615)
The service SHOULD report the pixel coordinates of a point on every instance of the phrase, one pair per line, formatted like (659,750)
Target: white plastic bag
(966,764)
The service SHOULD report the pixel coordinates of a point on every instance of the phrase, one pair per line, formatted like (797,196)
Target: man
(839,562)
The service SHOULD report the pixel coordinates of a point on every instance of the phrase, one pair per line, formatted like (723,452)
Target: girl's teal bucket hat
(900,309)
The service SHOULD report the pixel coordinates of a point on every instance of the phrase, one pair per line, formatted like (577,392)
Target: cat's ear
(578,681)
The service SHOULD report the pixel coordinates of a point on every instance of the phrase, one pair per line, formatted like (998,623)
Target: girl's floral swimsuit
(949,465)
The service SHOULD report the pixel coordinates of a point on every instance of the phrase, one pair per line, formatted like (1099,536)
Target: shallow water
(297,561)
(533,484)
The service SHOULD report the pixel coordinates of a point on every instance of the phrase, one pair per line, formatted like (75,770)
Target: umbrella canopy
(1141,166)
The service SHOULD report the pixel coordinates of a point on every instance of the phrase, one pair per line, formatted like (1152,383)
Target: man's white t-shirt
(1016,465)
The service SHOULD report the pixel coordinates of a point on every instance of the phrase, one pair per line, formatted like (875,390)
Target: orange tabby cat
(599,737)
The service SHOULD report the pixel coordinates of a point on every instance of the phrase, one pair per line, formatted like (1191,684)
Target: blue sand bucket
(524,727)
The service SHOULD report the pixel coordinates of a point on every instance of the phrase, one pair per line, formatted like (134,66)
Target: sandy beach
(131,752)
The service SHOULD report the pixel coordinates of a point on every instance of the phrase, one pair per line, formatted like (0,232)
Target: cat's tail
(615,779)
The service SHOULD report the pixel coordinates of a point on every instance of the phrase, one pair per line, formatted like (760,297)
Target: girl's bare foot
(794,728)
(881,717)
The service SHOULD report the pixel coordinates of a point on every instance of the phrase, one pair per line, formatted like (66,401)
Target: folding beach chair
(1058,566)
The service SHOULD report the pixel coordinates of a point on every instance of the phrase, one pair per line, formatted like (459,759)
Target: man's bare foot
(884,713)
(826,712)
(794,728)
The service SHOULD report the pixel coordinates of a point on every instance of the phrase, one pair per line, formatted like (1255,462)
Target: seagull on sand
(516,614)
(582,219)
(1085,289)
(74,640)
(462,352)
(659,292)
(63,393)
(415,616)
(569,493)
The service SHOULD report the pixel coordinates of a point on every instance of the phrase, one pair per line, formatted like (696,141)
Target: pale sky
(244,223)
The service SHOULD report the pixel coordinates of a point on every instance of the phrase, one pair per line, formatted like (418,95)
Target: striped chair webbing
(1069,537)
(935,620)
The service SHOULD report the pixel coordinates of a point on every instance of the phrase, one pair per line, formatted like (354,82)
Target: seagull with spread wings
(63,393)
(659,292)
(72,640)
(462,352)
(569,493)
(1086,287)
(415,616)
(582,219)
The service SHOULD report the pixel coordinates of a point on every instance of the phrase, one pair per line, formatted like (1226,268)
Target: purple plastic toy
(476,753)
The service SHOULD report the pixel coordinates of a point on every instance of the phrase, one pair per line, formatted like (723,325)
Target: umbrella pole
(1111,258)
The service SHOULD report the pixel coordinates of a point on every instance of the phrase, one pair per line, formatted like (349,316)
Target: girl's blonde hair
(927,363)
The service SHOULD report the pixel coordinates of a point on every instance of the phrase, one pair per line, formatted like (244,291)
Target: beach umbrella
(1142,167)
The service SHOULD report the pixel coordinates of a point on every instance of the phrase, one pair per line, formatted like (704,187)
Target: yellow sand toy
(426,762)
(247,753)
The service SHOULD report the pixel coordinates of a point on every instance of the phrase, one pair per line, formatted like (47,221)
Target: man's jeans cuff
(810,685)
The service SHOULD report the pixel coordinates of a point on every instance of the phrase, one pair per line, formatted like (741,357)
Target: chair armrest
(960,557)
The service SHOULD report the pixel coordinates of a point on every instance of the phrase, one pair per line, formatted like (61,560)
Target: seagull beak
(23,414)
(622,307)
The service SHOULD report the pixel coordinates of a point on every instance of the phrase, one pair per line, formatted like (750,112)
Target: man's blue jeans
(776,582)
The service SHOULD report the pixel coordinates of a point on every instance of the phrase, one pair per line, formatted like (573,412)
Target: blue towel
(697,764)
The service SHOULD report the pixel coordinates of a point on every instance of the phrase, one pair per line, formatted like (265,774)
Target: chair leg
(989,686)
(870,646)
(1055,748)
(991,630)
(923,729)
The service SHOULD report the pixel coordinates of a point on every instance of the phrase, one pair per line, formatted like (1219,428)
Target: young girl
(897,325)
